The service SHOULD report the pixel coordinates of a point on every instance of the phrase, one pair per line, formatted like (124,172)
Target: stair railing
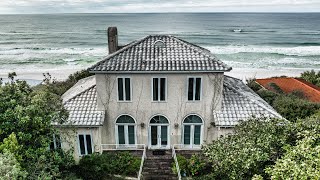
(142,161)
(176,162)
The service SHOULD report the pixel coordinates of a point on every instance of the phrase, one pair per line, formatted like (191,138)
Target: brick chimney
(112,39)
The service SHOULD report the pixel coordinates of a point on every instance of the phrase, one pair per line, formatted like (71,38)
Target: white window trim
(123,89)
(194,88)
(159,124)
(85,143)
(192,145)
(126,134)
(192,126)
(166,89)
(55,141)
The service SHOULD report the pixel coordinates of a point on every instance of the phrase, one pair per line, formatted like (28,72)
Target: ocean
(242,40)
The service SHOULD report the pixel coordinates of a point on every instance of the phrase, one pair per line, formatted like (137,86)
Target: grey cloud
(91,6)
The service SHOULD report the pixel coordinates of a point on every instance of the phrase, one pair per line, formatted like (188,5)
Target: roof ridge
(132,58)
(80,93)
(120,51)
(308,84)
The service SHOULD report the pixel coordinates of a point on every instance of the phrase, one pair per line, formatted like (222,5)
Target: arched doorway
(159,133)
(192,131)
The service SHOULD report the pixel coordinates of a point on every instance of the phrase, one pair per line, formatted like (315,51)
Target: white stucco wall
(69,138)
(142,108)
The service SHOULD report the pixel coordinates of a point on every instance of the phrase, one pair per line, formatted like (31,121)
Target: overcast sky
(137,6)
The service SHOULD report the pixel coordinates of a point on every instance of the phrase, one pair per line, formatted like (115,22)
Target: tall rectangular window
(159,89)
(56,142)
(124,89)
(85,144)
(194,89)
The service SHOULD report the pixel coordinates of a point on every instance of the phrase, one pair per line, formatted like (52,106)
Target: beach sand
(36,76)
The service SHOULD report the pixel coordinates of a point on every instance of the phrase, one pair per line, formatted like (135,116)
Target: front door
(159,133)
(159,137)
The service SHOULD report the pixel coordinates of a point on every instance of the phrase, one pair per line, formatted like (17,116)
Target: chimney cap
(112,31)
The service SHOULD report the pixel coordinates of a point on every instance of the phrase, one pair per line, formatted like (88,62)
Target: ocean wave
(42,50)
(289,51)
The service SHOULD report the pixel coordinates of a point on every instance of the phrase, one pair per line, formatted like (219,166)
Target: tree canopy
(26,130)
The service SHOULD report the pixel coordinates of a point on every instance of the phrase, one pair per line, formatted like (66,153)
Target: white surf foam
(290,51)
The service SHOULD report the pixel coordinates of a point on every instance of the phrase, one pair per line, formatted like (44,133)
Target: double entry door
(159,137)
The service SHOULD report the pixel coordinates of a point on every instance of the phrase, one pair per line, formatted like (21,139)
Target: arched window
(159,120)
(125,130)
(192,131)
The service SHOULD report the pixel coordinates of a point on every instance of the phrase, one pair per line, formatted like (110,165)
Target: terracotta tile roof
(288,85)
(240,103)
(174,55)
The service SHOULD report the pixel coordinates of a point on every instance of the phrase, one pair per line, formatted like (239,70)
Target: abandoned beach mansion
(159,91)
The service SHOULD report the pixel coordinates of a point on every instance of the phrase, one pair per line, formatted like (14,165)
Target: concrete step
(158,172)
(158,152)
(154,168)
(160,157)
(157,164)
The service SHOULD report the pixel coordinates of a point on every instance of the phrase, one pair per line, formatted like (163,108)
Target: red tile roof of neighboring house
(289,85)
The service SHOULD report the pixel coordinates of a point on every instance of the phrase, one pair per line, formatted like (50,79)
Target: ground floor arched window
(125,131)
(192,131)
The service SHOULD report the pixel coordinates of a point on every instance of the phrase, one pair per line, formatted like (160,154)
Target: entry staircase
(157,166)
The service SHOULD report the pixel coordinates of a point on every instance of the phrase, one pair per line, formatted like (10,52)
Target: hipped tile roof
(240,103)
(175,56)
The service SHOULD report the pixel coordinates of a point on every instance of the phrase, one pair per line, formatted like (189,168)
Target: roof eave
(73,125)
(157,72)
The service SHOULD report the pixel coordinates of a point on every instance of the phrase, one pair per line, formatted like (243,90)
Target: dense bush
(195,166)
(254,145)
(301,161)
(26,130)
(267,149)
(312,77)
(293,108)
(9,167)
(267,95)
(99,166)
(60,87)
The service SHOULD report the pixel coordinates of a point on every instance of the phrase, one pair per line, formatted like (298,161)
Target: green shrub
(60,87)
(293,108)
(195,166)
(312,77)
(255,144)
(99,166)
(10,167)
(183,165)
(267,95)
(253,84)
(301,161)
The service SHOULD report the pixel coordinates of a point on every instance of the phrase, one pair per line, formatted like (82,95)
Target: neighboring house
(288,85)
(157,91)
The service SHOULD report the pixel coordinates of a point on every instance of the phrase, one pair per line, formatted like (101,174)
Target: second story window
(159,89)
(124,89)
(194,89)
